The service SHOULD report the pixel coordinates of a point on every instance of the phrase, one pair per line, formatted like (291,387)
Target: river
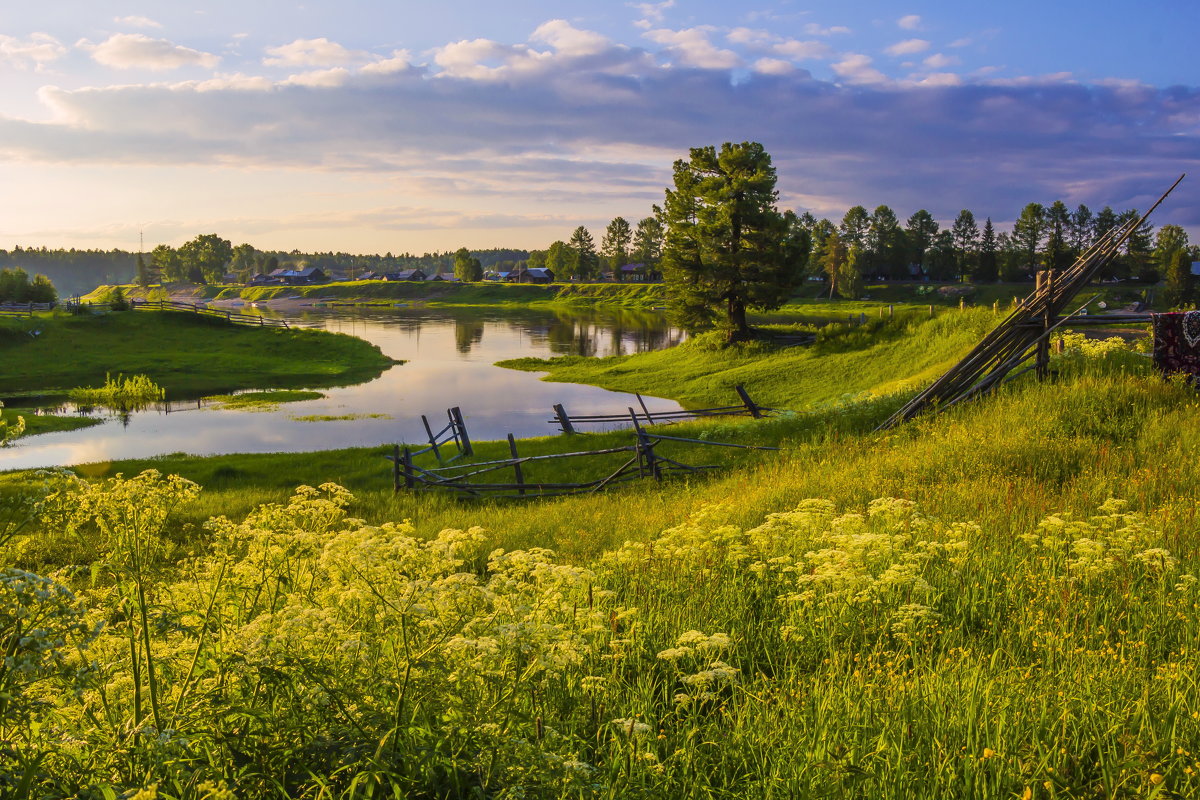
(449,355)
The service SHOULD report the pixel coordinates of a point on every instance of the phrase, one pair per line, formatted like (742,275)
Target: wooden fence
(23,309)
(643,461)
(748,407)
(231,316)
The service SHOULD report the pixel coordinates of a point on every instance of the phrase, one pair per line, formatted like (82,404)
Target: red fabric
(1177,342)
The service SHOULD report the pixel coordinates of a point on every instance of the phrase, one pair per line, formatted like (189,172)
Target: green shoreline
(47,355)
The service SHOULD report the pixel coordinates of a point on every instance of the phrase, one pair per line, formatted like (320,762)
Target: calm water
(449,355)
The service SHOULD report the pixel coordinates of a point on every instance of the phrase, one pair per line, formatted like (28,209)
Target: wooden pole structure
(464,440)
(432,439)
(563,420)
(646,411)
(395,468)
(750,405)
(646,446)
(512,448)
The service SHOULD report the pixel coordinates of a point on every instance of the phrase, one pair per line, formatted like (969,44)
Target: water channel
(449,355)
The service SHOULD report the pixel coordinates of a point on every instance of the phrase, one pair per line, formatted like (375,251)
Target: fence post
(646,448)
(432,441)
(465,442)
(564,421)
(646,411)
(395,468)
(512,448)
(750,404)
(408,470)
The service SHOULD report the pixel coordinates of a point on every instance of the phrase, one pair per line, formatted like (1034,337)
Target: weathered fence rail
(567,422)
(231,316)
(23,309)
(643,461)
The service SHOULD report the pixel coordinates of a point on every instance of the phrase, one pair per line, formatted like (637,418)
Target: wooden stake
(395,468)
(750,406)
(432,439)
(464,440)
(512,448)
(563,420)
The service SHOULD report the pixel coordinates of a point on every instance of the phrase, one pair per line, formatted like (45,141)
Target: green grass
(879,358)
(187,354)
(1013,635)
(45,423)
(437,293)
(264,401)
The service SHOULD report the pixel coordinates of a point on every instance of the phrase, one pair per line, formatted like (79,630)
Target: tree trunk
(739,330)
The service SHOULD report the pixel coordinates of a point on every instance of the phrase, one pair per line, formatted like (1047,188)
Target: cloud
(569,40)
(910,22)
(138,51)
(762,41)
(137,22)
(37,50)
(651,13)
(856,68)
(813,29)
(940,61)
(773,66)
(907,48)
(312,53)
(690,47)
(562,130)
(399,61)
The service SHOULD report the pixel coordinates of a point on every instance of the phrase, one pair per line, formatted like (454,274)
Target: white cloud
(940,61)
(939,79)
(38,49)
(762,41)
(813,29)
(652,13)
(312,53)
(774,66)
(400,61)
(910,22)
(964,42)
(320,78)
(856,68)
(690,47)
(568,40)
(484,59)
(907,47)
(138,51)
(137,22)
(801,51)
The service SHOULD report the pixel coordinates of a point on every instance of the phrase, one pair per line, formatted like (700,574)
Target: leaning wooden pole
(997,353)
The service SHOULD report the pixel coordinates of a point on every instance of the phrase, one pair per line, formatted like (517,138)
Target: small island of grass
(186,354)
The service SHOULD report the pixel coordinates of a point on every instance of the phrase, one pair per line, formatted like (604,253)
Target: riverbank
(189,355)
(435,294)
(1004,571)
(875,359)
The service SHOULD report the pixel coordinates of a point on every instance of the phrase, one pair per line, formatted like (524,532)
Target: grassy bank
(185,353)
(878,358)
(1012,634)
(45,423)
(437,293)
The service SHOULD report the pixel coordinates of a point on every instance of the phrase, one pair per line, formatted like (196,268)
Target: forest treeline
(864,245)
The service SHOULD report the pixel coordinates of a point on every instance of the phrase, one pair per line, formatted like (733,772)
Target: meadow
(997,602)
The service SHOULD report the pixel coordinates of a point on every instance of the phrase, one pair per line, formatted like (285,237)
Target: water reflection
(450,357)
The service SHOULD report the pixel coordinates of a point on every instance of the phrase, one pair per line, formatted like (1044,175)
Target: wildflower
(630,727)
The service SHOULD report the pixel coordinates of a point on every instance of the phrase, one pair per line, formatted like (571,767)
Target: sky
(371,126)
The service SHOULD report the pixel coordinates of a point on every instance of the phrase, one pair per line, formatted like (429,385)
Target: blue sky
(392,126)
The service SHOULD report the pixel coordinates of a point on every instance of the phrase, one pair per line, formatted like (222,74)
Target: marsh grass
(263,401)
(119,394)
(964,610)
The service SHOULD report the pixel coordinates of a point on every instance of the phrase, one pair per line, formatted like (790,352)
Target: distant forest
(870,244)
(76,272)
